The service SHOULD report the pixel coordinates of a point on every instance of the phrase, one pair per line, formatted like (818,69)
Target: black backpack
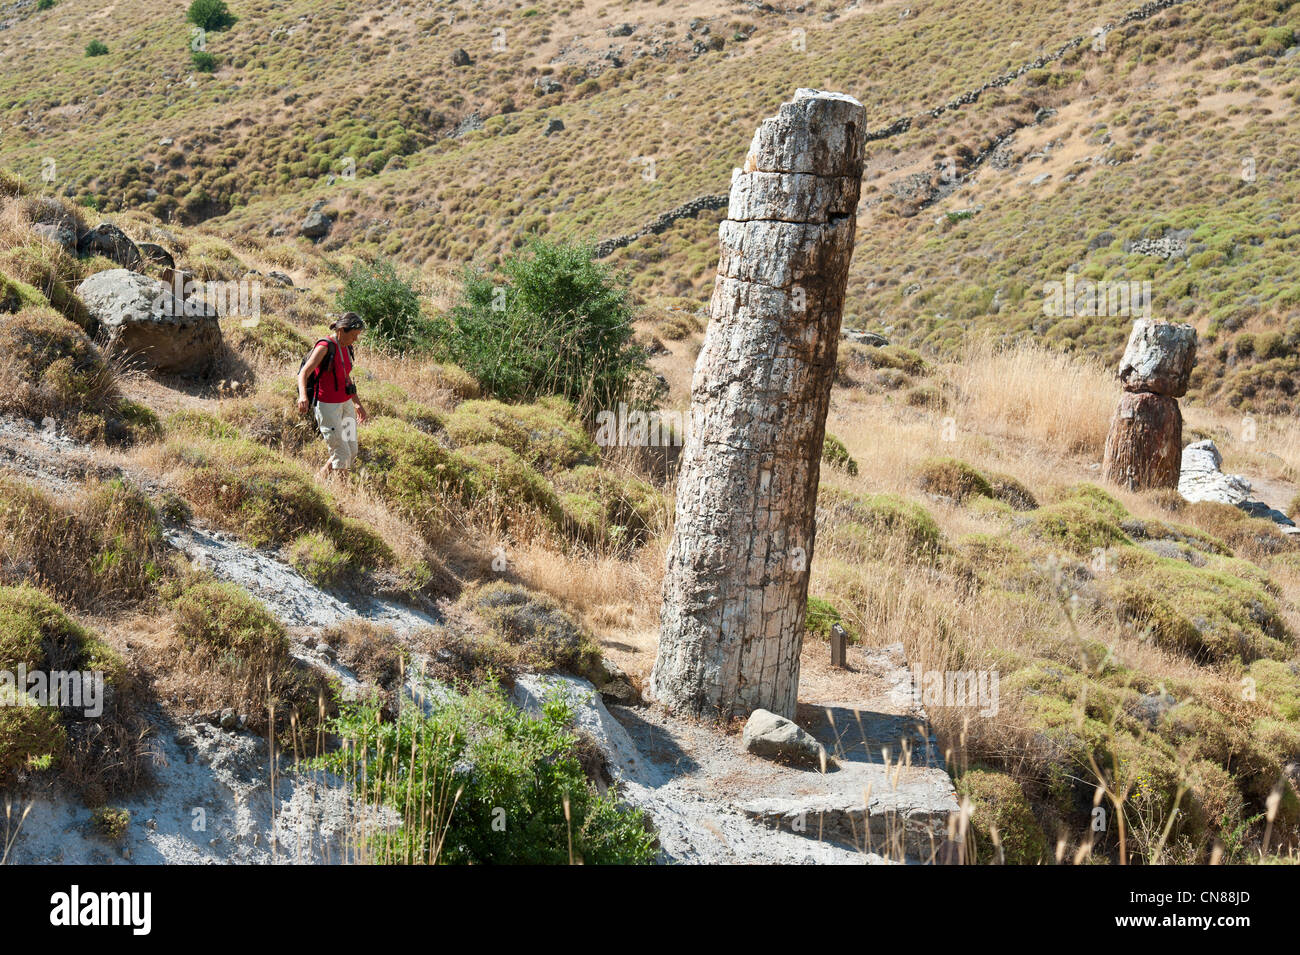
(313,380)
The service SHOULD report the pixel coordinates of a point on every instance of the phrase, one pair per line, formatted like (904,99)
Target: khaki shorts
(338,426)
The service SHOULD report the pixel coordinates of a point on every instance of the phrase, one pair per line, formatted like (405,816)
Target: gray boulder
(1202,480)
(111,242)
(51,221)
(152,252)
(142,319)
(553,126)
(61,235)
(316,225)
(775,737)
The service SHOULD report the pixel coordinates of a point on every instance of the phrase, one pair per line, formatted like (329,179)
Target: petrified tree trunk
(732,622)
(1145,445)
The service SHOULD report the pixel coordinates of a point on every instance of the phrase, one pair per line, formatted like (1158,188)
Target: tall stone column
(732,622)
(1144,448)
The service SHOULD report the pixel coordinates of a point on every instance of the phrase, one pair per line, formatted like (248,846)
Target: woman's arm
(313,362)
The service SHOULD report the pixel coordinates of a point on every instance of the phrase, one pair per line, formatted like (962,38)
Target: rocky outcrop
(53,223)
(1144,446)
(735,590)
(316,225)
(775,737)
(157,255)
(1201,477)
(142,319)
(111,242)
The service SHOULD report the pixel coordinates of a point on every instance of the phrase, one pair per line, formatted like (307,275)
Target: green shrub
(45,4)
(36,634)
(870,525)
(388,303)
(111,822)
(950,478)
(114,532)
(319,559)
(602,506)
(551,321)
(836,454)
(1207,613)
(223,618)
(539,634)
(211,15)
(242,650)
(1077,528)
(203,61)
(96,48)
(999,804)
(128,558)
(548,435)
(821,616)
(478,781)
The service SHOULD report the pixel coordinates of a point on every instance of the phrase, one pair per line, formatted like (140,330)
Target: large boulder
(775,737)
(111,242)
(52,222)
(1202,477)
(141,318)
(157,255)
(316,225)
(1159,358)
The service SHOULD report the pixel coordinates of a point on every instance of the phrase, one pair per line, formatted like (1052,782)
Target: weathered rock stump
(1145,445)
(731,627)
(141,319)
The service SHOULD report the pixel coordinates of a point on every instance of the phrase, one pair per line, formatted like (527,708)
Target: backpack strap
(325,363)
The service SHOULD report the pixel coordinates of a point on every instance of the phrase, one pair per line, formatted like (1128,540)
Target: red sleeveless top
(331,383)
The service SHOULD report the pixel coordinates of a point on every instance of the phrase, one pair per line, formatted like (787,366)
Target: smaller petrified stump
(1145,444)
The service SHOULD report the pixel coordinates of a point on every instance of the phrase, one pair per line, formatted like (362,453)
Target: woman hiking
(325,386)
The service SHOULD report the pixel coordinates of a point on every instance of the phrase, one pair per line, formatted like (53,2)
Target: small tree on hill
(388,303)
(550,320)
(211,15)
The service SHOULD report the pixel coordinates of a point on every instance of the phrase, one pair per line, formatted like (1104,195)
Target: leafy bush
(837,455)
(388,303)
(551,321)
(477,781)
(1002,823)
(96,48)
(210,15)
(821,616)
(203,61)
